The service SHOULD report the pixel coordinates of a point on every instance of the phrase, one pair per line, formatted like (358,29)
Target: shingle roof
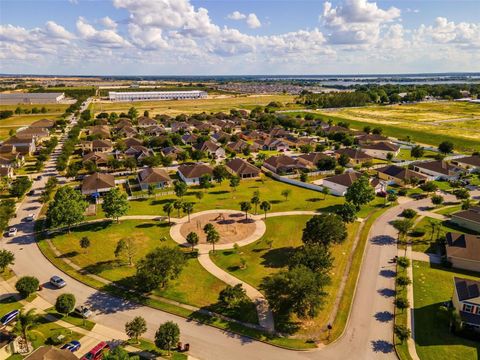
(240,166)
(153,175)
(463,246)
(345,179)
(192,171)
(470,160)
(472,214)
(354,154)
(382,146)
(466,288)
(439,166)
(98,181)
(400,172)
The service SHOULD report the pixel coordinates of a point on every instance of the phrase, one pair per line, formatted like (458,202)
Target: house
(279,132)
(97,183)
(122,122)
(398,175)
(22,146)
(365,139)
(189,139)
(99,131)
(171,151)
(468,219)
(154,176)
(339,184)
(469,163)
(211,149)
(9,157)
(131,141)
(102,145)
(242,169)
(438,170)
(272,144)
(283,164)
(463,251)
(98,158)
(127,131)
(6,172)
(466,301)
(36,134)
(311,159)
(220,136)
(156,130)
(43,123)
(51,353)
(191,173)
(238,146)
(139,152)
(356,156)
(179,126)
(380,150)
(144,121)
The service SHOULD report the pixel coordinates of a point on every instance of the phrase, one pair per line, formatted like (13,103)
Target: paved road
(368,335)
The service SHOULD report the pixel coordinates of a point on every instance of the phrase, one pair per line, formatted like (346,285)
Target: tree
(446,147)
(325,192)
(299,291)
(213,237)
(178,205)
(119,353)
(20,186)
(65,304)
(265,207)
(245,206)
(417,151)
(180,188)
(204,181)
(402,303)
(84,242)
(343,160)
(168,208)
(25,321)
(403,227)
(115,204)
(324,229)
(127,249)
(286,193)
(130,163)
(360,192)
(255,201)
(232,297)
(167,336)
(133,113)
(208,227)
(27,285)
(390,156)
(326,163)
(402,332)
(192,238)
(403,280)
(151,189)
(234,182)
(437,200)
(220,173)
(461,194)
(67,208)
(158,267)
(136,328)
(317,258)
(188,208)
(429,187)
(348,212)
(6,258)
(403,262)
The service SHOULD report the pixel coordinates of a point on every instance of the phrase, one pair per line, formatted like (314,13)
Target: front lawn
(8,304)
(432,287)
(261,261)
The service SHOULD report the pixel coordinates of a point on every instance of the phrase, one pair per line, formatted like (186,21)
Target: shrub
(408,213)
(27,285)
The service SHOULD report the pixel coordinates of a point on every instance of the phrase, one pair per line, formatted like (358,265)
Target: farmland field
(175,107)
(428,123)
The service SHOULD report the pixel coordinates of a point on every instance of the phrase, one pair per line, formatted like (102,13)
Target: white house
(191,173)
(380,150)
(466,301)
(438,170)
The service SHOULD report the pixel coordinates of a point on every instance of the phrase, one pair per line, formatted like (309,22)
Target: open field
(17,121)
(176,107)
(427,123)
(51,108)
(262,261)
(432,286)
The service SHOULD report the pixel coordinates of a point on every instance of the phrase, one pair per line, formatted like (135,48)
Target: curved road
(368,334)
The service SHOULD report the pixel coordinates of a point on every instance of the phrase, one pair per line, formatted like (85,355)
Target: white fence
(292,181)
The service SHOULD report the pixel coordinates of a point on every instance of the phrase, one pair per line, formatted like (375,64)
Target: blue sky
(238,37)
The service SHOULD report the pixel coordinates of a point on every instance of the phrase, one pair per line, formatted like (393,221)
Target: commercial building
(156,95)
(31,98)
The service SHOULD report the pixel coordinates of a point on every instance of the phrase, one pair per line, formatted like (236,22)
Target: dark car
(9,317)
(72,346)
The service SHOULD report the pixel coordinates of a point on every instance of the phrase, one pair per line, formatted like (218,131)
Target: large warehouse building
(156,95)
(31,98)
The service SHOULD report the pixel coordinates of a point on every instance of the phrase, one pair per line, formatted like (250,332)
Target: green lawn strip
(432,287)
(401,318)
(448,210)
(150,347)
(424,241)
(7,274)
(72,319)
(40,334)
(9,304)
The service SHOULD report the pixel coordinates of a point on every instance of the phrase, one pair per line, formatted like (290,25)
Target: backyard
(432,287)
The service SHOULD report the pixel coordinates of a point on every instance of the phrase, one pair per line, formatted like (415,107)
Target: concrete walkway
(426,257)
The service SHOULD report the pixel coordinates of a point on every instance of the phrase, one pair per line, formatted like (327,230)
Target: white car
(30,217)
(57,281)
(12,232)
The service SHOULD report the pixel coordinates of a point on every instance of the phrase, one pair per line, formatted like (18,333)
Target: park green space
(424,240)
(262,261)
(432,286)
(51,108)
(176,107)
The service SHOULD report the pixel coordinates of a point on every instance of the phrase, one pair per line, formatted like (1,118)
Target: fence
(292,181)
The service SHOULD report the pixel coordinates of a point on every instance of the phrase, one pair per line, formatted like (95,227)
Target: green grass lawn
(404,155)
(99,259)
(40,334)
(422,238)
(8,304)
(401,317)
(72,319)
(261,261)
(449,210)
(432,287)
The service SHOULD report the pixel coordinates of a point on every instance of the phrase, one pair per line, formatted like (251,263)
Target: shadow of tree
(382,346)
(384,316)
(387,273)
(101,266)
(385,292)
(277,258)
(69,254)
(383,240)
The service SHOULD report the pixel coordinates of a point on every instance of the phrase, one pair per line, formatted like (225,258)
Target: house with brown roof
(127,131)
(469,163)
(212,149)
(144,121)
(438,170)
(311,159)
(463,251)
(9,157)
(242,168)
(43,123)
(139,152)
(131,141)
(22,146)
(380,150)
(238,146)
(97,183)
(157,177)
(273,144)
(36,134)
(100,131)
(99,145)
(6,172)
(356,156)
(398,175)
(189,139)
(100,159)
(156,130)
(339,184)
(468,219)
(191,173)
(51,353)
(364,139)
(283,164)
(466,301)
(171,151)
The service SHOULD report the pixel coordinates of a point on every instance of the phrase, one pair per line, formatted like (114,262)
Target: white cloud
(253,22)
(108,22)
(108,38)
(448,32)
(52,29)
(236,15)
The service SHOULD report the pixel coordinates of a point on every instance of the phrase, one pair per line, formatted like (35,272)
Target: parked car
(30,217)
(39,177)
(12,232)
(97,352)
(57,281)
(72,346)
(31,192)
(9,317)
(83,311)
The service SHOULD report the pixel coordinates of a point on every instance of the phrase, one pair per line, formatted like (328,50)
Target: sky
(227,37)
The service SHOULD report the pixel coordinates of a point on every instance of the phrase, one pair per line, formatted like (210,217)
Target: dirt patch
(232,227)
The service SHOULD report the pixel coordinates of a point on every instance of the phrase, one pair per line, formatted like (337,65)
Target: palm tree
(245,206)
(178,204)
(213,237)
(265,206)
(188,208)
(168,208)
(433,226)
(25,321)
(325,192)
(255,201)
